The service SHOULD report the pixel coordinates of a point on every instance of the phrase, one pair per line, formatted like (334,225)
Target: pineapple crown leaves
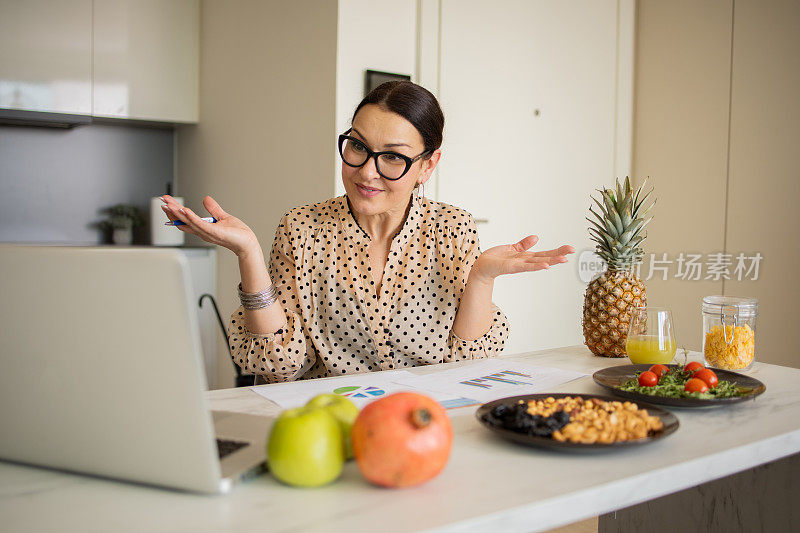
(621,220)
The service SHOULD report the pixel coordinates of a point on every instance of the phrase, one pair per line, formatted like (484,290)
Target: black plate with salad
(678,386)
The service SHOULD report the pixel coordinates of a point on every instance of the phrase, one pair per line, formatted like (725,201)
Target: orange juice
(650,349)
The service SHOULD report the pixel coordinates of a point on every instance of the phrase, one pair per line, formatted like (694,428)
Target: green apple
(305,447)
(343,409)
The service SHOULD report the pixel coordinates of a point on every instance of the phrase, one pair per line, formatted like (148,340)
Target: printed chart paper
(360,388)
(491,379)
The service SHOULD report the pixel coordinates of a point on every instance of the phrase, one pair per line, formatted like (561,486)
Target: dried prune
(501,411)
(542,431)
(516,418)
(562,417)
(520,421)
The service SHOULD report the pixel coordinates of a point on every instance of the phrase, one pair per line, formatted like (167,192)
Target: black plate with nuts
(485,417)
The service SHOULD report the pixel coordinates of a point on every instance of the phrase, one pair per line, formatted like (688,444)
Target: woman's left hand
(514,258)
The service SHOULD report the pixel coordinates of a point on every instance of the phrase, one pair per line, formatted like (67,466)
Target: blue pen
(179,223)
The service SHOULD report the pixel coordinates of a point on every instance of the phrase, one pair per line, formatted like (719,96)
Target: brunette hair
(415,104)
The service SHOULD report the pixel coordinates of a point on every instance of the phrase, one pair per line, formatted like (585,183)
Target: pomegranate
(402,440)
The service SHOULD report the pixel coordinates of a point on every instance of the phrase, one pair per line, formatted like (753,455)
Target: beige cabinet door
(529,92)
(45,55)
(682,102)
(764,181)
(146,59)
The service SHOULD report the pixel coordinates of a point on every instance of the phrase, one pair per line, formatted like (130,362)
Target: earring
(420,193)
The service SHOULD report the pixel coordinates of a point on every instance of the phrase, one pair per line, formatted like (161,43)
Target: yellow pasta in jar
(738,354)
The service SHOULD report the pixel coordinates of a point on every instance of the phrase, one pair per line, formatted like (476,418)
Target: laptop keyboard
(227,447)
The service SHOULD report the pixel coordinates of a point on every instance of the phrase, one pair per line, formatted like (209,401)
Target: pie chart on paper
(361,392)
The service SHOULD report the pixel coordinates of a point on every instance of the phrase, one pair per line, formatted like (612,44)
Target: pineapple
(610,298)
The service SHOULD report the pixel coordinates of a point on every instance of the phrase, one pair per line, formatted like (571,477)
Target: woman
(377,279)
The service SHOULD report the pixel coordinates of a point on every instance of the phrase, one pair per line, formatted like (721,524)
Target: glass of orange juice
(651,336)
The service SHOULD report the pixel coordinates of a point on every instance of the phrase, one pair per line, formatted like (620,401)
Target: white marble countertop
(488,483)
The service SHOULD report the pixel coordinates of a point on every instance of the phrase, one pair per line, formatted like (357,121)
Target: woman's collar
(407,228)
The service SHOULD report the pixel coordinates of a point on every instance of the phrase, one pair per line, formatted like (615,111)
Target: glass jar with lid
(729,331)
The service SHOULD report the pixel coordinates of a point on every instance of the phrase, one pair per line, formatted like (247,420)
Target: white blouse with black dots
(337,323)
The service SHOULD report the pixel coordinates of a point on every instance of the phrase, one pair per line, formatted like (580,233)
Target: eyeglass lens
(390,166)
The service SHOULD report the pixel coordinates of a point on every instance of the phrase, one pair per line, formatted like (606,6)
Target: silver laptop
(101,371)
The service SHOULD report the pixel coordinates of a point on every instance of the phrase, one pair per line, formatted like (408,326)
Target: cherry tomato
(659,370)
(647,379)
(708,376)
(693,367)
(695,385)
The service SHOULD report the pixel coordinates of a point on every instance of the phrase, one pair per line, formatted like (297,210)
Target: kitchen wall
(54,182)
(254,54)
(717,119)
(250,61)
(267,91)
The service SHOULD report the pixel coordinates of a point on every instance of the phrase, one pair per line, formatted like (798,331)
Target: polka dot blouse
(337,323)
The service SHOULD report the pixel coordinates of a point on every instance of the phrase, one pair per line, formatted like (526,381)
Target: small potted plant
(122,218)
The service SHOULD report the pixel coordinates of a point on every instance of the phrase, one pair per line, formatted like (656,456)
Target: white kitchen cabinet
(537,116)
(46,55)
(146,59)
(203,271)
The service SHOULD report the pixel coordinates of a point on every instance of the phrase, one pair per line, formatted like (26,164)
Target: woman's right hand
(228,231)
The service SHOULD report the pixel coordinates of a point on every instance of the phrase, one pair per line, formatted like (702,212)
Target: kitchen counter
(488,484)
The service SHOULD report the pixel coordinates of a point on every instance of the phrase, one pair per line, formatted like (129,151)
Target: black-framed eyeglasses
(390,165)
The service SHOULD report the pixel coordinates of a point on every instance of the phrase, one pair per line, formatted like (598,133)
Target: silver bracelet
(258,300)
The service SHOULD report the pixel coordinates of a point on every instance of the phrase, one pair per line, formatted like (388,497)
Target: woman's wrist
(249,251)
(478,274)
(473,318)
(257,300)
(476,278)
(253,271)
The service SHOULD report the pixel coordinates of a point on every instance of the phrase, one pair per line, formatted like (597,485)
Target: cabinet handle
(481,220)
